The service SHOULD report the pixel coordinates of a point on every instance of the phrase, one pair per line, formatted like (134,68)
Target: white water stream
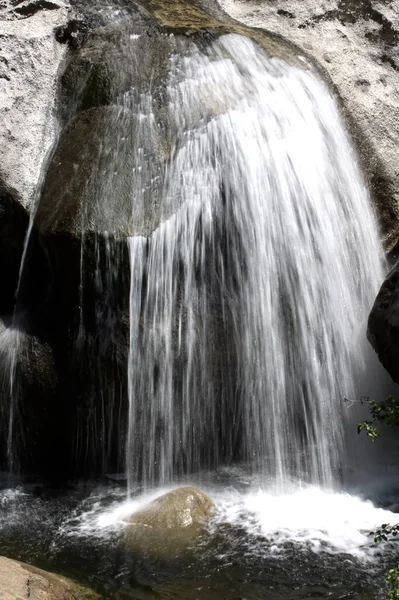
(249,304)
(248,307)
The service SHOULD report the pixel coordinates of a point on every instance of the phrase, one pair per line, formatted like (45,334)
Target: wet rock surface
(169,526)
(182,507)
(356,42)
(22,581)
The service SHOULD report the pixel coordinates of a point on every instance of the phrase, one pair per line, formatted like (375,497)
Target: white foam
(308,516)
(322,520)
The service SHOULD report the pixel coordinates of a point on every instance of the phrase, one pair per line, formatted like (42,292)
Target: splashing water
(320,520)
(248,304)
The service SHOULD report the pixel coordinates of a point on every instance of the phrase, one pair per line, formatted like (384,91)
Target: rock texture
(183,507)
(169,526)
(383,324)
(357,43)
(19,581)
(30,58)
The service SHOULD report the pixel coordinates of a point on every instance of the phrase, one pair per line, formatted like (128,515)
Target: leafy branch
(385,412)
(392,579)
(384,534)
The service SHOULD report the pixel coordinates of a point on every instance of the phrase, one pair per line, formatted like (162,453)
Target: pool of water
(261,543)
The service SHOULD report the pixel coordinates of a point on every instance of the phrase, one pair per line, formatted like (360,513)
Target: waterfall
(248,303)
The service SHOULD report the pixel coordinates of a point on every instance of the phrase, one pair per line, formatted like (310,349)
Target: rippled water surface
(306,543)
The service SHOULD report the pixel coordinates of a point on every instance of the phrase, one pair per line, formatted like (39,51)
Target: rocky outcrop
(94,196)
(22,581)
(105,182)
(30,58)
(383,324)
(357,44)
(169,526)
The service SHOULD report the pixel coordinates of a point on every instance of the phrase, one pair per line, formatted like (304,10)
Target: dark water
(259,545)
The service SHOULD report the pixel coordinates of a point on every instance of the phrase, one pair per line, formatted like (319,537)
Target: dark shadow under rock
(383,324)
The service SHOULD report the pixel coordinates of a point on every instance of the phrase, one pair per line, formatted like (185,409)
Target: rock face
(18,580)
(383,324)
(356,42)
(117,134)
(30,57)
(169,526)
(75,294)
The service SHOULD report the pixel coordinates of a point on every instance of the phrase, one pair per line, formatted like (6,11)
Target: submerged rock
(169,526)
(22,581)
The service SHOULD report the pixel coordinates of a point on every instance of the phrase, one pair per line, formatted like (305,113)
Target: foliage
(385,532)
(393,584)
(385,412)
(384,535)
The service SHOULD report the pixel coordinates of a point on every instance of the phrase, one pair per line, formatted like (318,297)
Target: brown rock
(21,581)
(183,507)
(169,526)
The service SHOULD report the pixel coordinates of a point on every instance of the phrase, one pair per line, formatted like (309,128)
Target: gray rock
(22,581)
(355,41)
(30,58)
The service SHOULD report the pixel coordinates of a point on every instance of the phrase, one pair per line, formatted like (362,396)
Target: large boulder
(22,581)
(383,324)
(169,526)
(95,161)
(356,43)
(104,183)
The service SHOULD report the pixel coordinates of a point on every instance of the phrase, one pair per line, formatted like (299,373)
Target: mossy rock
(189,17)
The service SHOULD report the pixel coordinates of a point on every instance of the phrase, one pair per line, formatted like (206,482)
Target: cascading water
(254,259)
(247,305)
